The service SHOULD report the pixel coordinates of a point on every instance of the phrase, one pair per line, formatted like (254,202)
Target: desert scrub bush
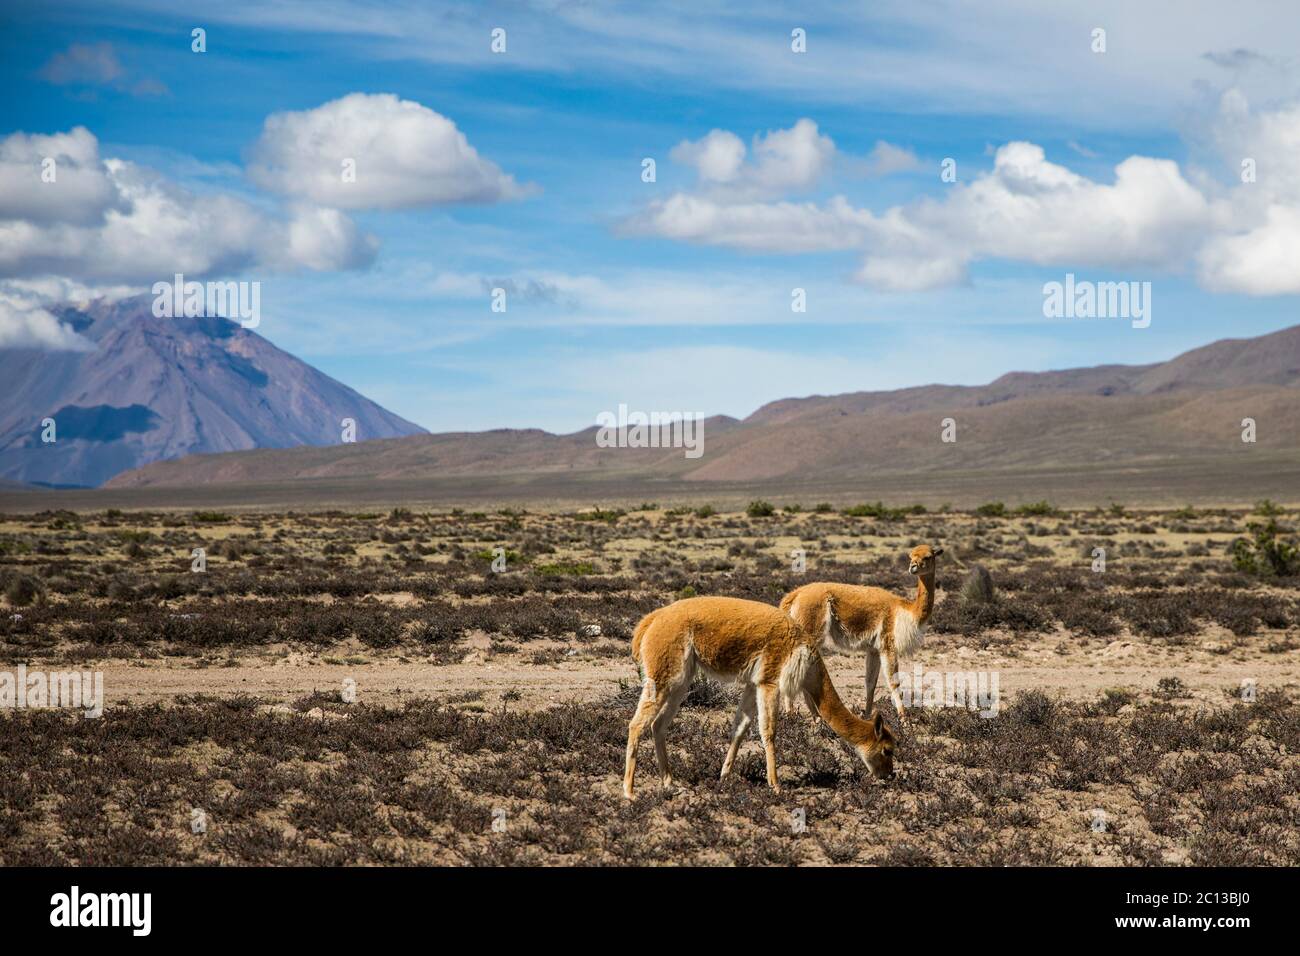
(569,568)
(875,509)
(22,589)
(607,515)
(760,509)
(1039,509)
(1013,614)
(10,546)
(210,517)
(1265,554)
(1168,688)
(1154,614)
(352,788)
(512,557)
(991,509)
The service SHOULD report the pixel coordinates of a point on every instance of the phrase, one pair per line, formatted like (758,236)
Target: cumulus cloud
(81,192)
(783,160)
(717,157)
(26,325)
(1258,253)
(405,155)
(1028,209)
(326,239)
(1243,237)
(1263,260)
(111,221)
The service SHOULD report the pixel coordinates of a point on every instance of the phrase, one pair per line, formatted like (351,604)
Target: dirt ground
(1050,664)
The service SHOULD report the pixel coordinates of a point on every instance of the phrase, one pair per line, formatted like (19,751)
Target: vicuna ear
(878,724)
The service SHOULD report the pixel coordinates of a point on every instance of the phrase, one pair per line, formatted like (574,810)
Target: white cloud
(1259,253)
(717,157)
(784,160)
(47,289)
(26,325)
(1024,209)
(111,221)
(1263,260)
(886,158)
(82,191)
(1030,210)
(754,226)
(903,274)
(322,239)
(405,155)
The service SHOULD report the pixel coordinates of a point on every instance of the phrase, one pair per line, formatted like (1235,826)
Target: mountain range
(189,403)
(1185,411)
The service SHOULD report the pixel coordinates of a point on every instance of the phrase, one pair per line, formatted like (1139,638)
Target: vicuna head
(878,754)
(923,559)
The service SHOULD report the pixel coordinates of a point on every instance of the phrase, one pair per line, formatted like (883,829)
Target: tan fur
(854,617)
(751,643)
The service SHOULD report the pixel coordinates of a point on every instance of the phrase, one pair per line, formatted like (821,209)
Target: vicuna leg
(873,674)
(646,711)
(891,675)
(767,709)
(740,726)
(659,729)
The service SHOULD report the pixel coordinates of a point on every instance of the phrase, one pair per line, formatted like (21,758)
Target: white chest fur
(908,634)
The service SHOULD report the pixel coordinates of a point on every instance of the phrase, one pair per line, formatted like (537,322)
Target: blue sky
(775,170)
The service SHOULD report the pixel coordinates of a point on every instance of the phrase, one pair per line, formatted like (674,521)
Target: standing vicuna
(759,647)
(872,619)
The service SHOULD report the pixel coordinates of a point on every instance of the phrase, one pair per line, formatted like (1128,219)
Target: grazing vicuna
(854,617)
(759,647)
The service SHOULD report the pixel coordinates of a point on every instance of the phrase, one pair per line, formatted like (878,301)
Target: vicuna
(872,619)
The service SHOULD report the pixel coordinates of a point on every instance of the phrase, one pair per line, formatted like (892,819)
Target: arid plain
(351,687)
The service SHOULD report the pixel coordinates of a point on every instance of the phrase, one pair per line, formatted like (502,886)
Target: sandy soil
(1054,664)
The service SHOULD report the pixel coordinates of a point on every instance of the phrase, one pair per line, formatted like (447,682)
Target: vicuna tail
(639,633)
(787,602)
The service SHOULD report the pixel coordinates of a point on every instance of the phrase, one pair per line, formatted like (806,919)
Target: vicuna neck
(839,718)
(924,602)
